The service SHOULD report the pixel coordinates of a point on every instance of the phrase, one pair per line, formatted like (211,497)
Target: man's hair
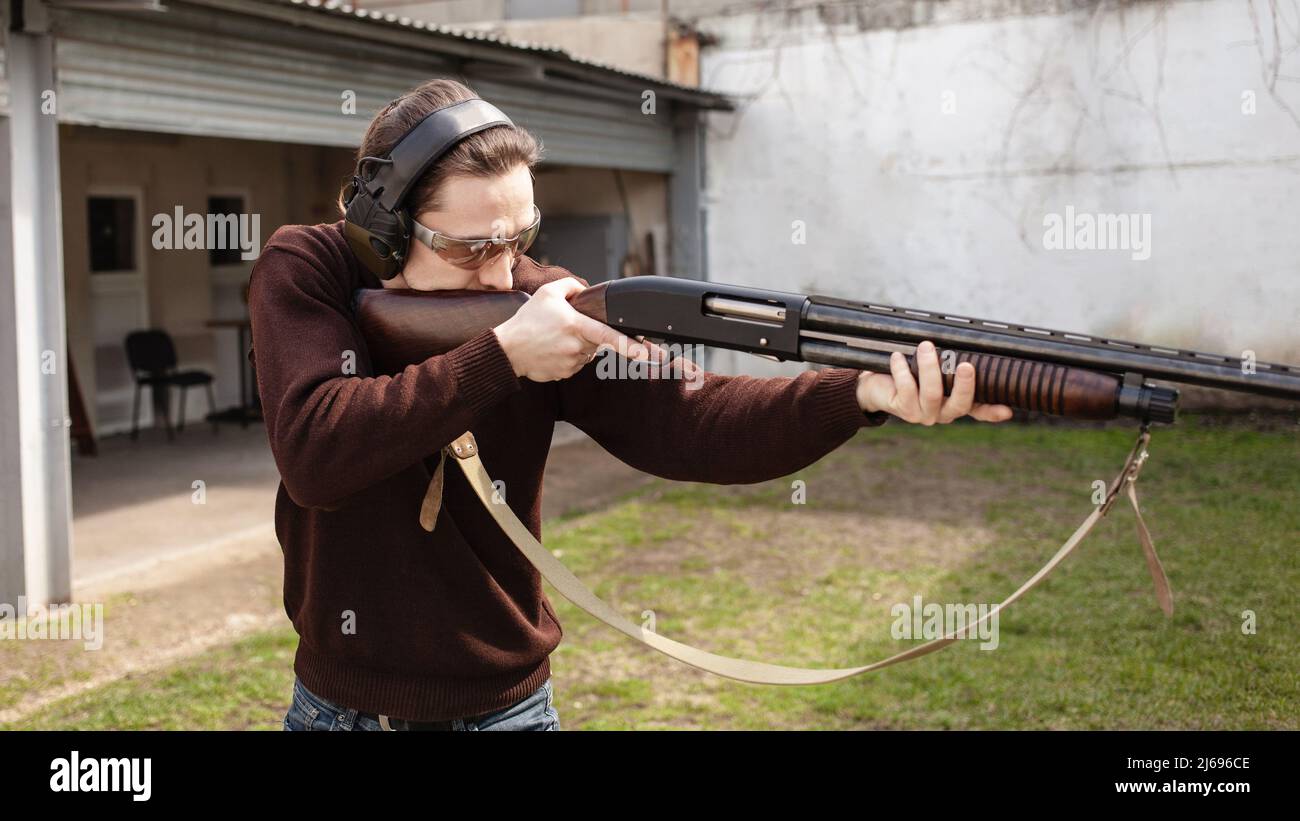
(488,153)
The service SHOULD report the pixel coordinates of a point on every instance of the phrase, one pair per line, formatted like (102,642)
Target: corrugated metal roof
(200,70)
(338,8)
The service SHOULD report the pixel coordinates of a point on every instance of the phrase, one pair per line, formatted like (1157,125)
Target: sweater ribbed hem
(484,375)
(836,404)
(415,698)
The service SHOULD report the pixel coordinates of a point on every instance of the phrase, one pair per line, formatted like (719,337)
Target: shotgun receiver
(1065,374)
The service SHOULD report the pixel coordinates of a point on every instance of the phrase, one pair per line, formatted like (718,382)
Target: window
(228,207)
(111,222)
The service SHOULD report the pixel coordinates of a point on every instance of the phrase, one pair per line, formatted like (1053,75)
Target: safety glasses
(475,253)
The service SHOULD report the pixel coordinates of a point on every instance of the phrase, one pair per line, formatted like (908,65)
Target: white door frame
(116,284)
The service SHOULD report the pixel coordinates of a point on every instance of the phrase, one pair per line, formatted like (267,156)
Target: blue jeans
(309,711)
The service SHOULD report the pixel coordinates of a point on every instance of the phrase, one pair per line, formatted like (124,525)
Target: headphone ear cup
(378,238)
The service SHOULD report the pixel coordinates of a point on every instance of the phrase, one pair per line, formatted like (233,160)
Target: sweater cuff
(837,404)
(484,375)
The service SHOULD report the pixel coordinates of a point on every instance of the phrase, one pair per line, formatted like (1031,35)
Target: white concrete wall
(912,202)
(633,44)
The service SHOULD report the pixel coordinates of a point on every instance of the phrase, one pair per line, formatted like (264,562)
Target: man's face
(473,208)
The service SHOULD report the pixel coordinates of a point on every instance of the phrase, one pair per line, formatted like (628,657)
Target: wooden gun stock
(405,327)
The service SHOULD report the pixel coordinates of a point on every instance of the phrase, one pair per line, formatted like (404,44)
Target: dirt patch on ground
(149,625)
(766,548)
(582,476)
(855,513)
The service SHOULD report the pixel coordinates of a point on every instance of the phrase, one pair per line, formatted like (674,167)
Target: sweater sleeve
(333,432)
(714,428)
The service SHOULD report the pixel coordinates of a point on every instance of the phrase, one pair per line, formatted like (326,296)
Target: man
(404,629)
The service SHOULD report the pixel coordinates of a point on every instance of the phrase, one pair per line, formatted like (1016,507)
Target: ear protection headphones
(376,222)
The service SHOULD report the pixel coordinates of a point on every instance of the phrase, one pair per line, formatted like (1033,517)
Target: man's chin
(420,283)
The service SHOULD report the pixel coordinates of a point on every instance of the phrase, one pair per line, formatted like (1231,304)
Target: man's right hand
(547,339)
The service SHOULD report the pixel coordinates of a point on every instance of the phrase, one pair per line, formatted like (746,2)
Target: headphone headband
(427,141)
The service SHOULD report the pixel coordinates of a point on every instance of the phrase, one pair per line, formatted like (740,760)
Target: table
(249,407)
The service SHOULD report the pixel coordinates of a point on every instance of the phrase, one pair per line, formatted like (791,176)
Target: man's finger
(931,379)
(963,394)
(597,333)
(904,384)
(991,413)
(565,287)
(654,353)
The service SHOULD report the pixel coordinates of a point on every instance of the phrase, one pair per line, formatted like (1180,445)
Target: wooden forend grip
(1038,386)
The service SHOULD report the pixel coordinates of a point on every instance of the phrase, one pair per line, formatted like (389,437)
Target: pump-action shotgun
(1055,372)
(1068,374)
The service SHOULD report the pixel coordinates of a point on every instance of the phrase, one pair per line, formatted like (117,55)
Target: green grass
(244,686)
(1087,649)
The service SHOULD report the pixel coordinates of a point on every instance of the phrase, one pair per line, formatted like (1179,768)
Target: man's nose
(497,275)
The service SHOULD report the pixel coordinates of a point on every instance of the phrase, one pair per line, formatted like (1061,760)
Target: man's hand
(547,339)
(897,392)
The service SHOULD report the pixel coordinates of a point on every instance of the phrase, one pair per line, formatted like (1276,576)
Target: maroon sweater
(422,626)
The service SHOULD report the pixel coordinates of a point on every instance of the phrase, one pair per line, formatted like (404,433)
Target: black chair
(152,357)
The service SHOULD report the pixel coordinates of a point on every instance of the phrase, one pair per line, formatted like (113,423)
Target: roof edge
(335,16)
